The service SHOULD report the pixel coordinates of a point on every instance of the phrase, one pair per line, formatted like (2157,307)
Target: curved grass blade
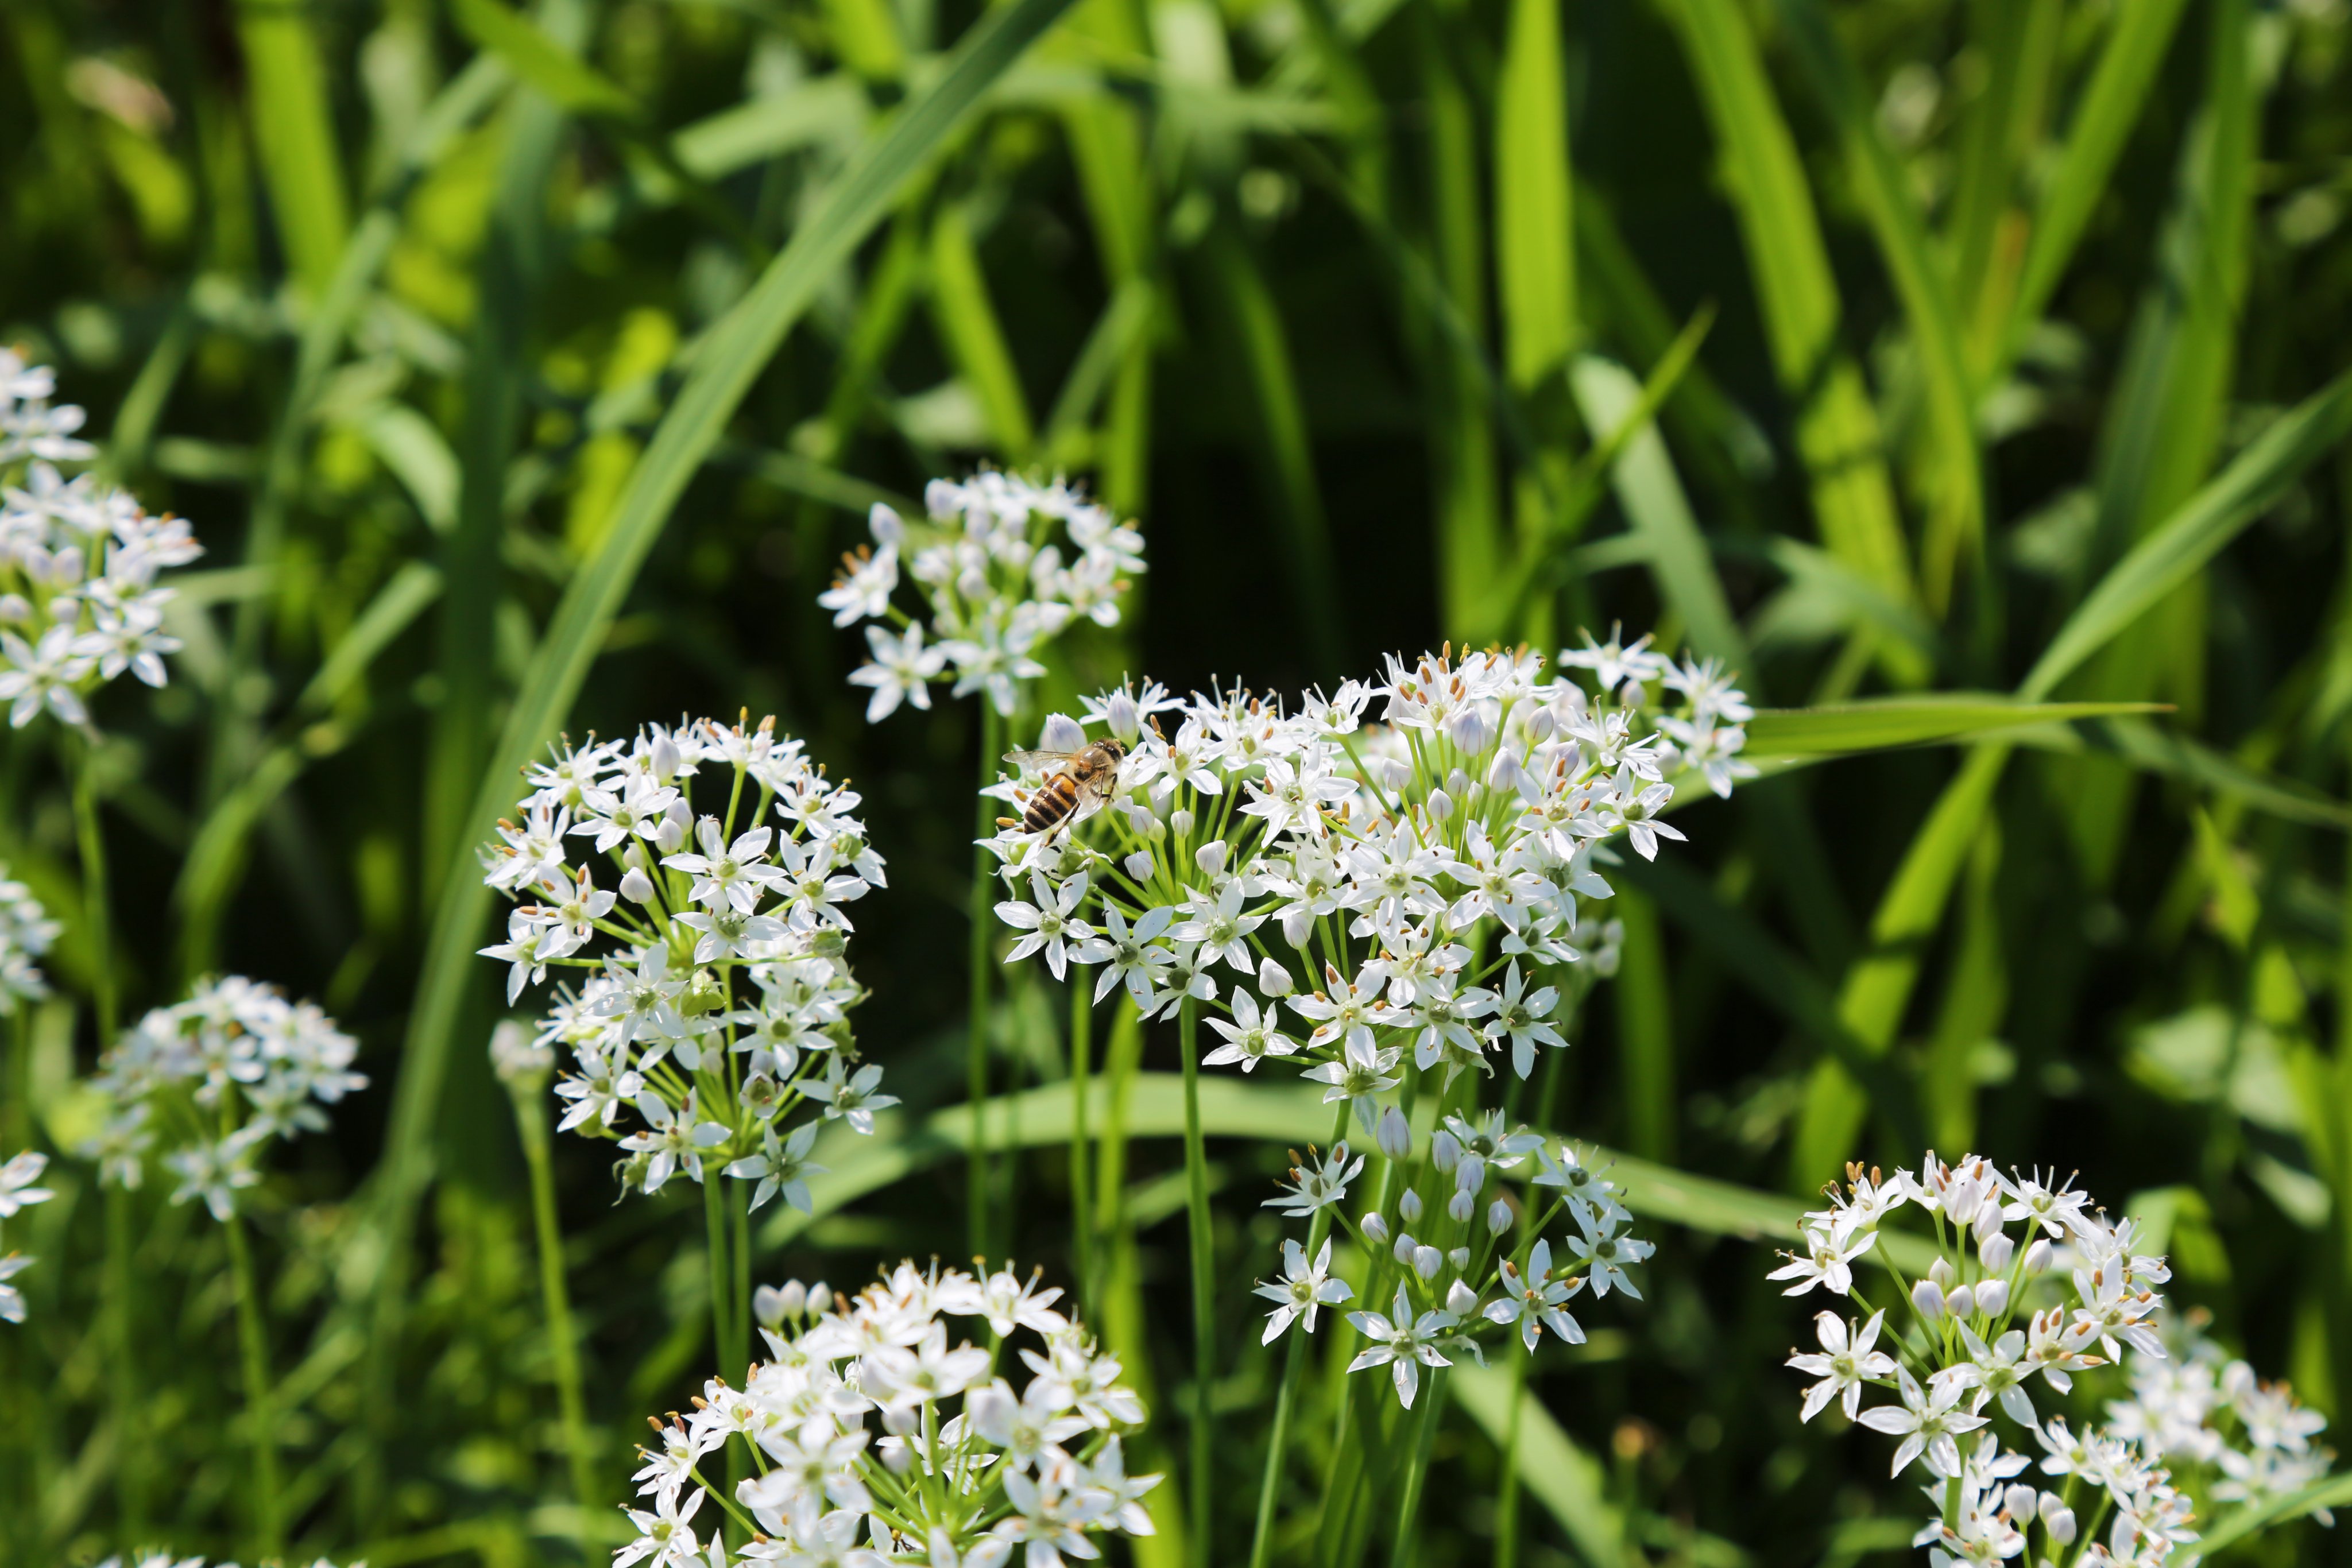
(739,350)
(2179,546)
(1909,721)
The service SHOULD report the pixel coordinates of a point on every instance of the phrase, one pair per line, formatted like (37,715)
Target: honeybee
(1075,787)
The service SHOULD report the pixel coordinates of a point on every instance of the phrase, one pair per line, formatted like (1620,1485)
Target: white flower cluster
(79,604)
(1411,868)
(26,934)
(722,999)
(165,1560)
(1039,1467)
(211,1081)
(994,579)
(2205,1413)
(1985,1320)
(17,1193)
(1437,1232)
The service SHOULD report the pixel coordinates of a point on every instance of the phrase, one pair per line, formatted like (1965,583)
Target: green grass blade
(2199,529)
(1263,353)
(1837,428)
(1909,721)
(2328,1491)
(975,341)
(1652,497)
(739,351)
(2120,89)
(1953,482)
(2163,752)
(1534,253)
(1571,1483)
(294,133)
(567,80)
(1123,332)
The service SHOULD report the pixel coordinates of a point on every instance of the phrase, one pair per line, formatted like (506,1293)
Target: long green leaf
(2160,751)
(1955,485)
(975,339)
(1534,253)
(721,377)
(2328,1491)
(1837,428)
(2120,90)
(2179,548)
(1909,721)
(1571,1483)
(295,136)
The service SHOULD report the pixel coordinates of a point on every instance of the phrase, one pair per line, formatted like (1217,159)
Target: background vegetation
(531,369)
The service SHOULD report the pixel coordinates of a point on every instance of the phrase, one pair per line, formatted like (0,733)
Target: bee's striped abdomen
(1055,800)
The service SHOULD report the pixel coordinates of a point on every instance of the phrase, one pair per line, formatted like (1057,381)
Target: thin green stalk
(992,738)
(1433,1394)
(530,1124)
(1293,1358)
(1202,1245)
(738,1349)
(1507,1518)
(722,1304)
(260,1412)
(92,842)
(1081,1017)
(122,1362)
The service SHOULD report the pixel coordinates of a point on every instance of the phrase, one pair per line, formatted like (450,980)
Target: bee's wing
(1091,796)
(1043,761)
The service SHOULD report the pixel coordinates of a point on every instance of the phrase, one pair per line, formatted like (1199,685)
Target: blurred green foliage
(531,369)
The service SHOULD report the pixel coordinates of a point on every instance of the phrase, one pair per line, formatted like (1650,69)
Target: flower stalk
(260,1404)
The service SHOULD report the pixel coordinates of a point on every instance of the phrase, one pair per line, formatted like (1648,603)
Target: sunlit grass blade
(1953,483)
(2178,548)
(2110,107)
(2159,750)
(975,339)
(860,198)
(1838,431)
(294,132)
(1535,252)
(1909,721)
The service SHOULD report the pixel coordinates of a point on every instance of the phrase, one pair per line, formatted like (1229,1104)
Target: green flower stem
(260,1400)
(122,1359)
(1507,1516)
(1402,1549)
(992,741)
(92,842)
(1082,1019)
(1294,1357)
(739,1350)
(555,1295)
(723,1307)
(1204,1328)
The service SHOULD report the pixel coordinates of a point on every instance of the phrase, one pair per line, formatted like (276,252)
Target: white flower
(1304,1290)
(1049,923)
(1534,1299)
(1403,1342)
(1249,1038)
(902,670)
(1844,1362)
(1826,1261)
(665,1539)
(17,1192)
(862,592)
(1318,1183)
(1928,1421)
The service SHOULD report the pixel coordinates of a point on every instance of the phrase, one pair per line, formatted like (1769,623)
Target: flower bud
(1459,1258)
(1179,823)
(1444,1151)
(2019,1500)
(1376,1229)
(1273,979)
(885,524)
(1499,1217)
(1210,857)
(1403,1250)
(520,1062)
(1927,1299)
(1462,1205)
(1139,864)
(902,1420)
(1504,772)
(1467,730)
(1992,1297)
(636,887)
(1470,1174)
(1961,1303)
(1060,732)
(820,1299)
(1427,1262)
(1410,1207)
(1440,805)
(664,759)
(1943,1273)
(2058,1519)
(1119,715)
(1988,1225)
(1994,1252)
(1156,830)
(2037,1257)
(1461,1299)
(1395,1135)
(1457,783)
(1539,725)
(897,1455)
(1394,771)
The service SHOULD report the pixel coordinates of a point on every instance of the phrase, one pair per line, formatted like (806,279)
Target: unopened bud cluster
(714,986)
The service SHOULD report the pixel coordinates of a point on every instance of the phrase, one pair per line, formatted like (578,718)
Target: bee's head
(1117,747)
